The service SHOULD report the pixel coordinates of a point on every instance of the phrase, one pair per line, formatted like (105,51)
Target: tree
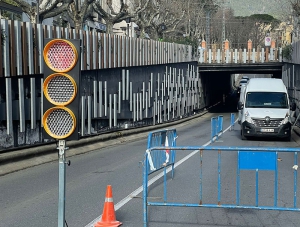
(47,8)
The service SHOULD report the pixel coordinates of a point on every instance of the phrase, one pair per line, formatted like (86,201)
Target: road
(29,197)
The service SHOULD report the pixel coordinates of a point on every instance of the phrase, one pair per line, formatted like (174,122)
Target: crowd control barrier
(216,127)
(157,159)
(262,160)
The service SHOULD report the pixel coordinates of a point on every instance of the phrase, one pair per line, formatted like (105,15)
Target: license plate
(267,130)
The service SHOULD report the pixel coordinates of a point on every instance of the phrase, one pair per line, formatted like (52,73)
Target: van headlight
(285,119)
(248,118)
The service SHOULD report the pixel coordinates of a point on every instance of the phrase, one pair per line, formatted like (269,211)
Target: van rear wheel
(243,136)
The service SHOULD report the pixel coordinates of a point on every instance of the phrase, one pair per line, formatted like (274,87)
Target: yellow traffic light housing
(61,86)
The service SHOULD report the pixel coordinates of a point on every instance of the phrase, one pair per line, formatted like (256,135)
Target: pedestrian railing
(256,159)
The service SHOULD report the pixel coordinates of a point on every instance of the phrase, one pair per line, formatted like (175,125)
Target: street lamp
(128,20)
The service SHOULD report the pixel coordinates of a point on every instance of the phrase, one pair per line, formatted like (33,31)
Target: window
(266,100)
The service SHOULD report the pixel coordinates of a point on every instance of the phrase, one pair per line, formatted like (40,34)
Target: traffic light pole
(61,182)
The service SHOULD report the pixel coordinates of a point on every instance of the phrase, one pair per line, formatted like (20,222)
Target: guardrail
(248,159)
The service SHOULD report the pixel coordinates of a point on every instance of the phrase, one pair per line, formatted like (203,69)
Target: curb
(40,150)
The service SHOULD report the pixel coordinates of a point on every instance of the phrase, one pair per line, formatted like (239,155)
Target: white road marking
(150,182)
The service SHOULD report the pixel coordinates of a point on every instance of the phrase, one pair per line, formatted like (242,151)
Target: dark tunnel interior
(217,84)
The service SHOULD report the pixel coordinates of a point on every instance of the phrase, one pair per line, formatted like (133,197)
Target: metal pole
(61,183)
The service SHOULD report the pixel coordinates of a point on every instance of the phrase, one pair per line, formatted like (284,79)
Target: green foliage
(287,52)
(11,2)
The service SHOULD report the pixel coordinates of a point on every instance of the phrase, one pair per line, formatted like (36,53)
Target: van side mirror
(293,106)
(240,105)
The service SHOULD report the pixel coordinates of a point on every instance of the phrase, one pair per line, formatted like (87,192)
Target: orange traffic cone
(108,216)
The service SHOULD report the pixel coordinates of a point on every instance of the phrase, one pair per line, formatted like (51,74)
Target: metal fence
(22,49)
(259,160)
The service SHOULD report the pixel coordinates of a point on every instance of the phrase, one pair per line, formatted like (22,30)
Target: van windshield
(266,100)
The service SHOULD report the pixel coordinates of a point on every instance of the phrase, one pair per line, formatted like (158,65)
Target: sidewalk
(20,159)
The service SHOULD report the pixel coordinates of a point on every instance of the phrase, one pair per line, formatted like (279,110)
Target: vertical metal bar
(32,103)
(104,51)
(30,47)
(151,85)
(153,110)
(137,107)
(130,97)
(146,105)
(95,87)
(201,177)
(105,98)
(219,177)
(21,104)
(141,107)
(149,92)
(143,102)
(89,115)
(100,99)
(61,182)
(119,99)
(87,51)
(110,111)
(123,84)
(165,183)
(165,109)
(256,187)
(83,115)
(145,188)
(158,82)
(119,52)
(134,109)
(9,123)
(295,179)
(276,181)
(238,180)
(115,109)
(127,84)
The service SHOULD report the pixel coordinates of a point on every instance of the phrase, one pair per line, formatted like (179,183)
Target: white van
(264,109)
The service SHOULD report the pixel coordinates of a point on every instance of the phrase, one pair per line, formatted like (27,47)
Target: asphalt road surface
(30,197)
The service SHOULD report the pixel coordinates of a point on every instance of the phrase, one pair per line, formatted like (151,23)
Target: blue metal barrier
(232,120)
(248,158)
(213,128)
(216,127)
(220,125)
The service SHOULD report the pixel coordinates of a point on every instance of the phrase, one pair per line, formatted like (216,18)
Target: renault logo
(268,120)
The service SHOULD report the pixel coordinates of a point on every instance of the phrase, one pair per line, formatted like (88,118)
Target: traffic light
(61,88)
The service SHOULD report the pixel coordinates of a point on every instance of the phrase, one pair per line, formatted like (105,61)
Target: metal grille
(61,56)
(60,122)
(262,123)
(60,89)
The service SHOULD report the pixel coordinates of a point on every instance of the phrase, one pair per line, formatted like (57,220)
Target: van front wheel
(243,136)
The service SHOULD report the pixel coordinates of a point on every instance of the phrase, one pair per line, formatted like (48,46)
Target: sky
(276,8)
